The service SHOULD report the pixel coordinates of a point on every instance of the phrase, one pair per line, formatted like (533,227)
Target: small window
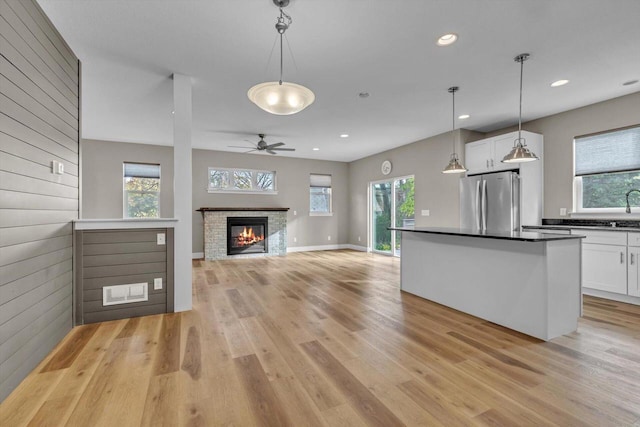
(320,194)
(141,190)
(241,181)
(607,166)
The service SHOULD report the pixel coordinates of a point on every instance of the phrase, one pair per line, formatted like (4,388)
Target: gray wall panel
(14,57)
(14,289)
(17,200)
(99,282)
(120,259)
(108,271)
(28,29)
(23,99)
(17,235)
(40,155)
(43,24)
(9,71)
(122,248)
(39,99)
(23,251)
(103,316)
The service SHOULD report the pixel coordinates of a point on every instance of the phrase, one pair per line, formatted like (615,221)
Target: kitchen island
(528,282)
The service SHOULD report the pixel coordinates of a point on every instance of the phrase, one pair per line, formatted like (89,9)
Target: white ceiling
(130,48)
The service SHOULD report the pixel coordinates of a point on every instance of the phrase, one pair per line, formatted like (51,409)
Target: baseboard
(612,296)
(197,255)
(317,248)
(358,248)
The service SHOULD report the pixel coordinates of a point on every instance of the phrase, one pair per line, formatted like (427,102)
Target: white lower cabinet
(604,267)
(633,285)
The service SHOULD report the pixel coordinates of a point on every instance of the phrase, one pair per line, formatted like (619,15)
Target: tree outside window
(141,190)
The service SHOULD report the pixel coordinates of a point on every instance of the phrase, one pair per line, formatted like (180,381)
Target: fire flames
(248,237)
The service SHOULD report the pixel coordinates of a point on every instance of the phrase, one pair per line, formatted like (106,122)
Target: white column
(182,190)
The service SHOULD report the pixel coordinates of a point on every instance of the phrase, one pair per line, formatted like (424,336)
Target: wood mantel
(203,210)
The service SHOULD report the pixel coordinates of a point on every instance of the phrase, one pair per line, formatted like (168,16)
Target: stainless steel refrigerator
(490,202)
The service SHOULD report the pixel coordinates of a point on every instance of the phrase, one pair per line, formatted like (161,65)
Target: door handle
(478,204)
(484,205)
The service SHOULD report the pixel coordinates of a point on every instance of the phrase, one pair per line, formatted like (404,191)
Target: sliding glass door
(392,202)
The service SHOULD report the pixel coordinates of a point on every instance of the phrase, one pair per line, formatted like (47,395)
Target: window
(141,190)
(607,165)
(320,194)
(242,181)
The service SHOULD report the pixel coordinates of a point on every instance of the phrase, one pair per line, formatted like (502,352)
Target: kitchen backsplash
(591,222)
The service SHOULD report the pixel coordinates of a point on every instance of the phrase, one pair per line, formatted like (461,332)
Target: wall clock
(386,167)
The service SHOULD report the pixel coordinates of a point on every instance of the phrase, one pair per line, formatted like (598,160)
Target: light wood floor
(327,338)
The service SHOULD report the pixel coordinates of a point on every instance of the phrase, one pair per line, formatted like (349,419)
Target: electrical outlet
(563,211)
(295,239)
(328,237)
(57,167)
(425,212)
(359,239)
(157,283)
(161,239)
(295,213)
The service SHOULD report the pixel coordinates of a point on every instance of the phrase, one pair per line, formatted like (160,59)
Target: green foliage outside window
(142,197)
(608,190)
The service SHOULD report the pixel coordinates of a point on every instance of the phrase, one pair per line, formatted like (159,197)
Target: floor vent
(125,294)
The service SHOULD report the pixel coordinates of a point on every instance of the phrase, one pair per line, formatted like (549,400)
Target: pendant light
(454,165)
(281,98)
(520,153)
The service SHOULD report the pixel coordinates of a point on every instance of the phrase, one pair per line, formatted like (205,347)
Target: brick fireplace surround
(215,231)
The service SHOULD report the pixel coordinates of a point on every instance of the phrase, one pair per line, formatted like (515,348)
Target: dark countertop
(580,227)
(523,236)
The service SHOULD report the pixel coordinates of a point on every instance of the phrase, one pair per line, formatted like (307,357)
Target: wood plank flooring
(327,339)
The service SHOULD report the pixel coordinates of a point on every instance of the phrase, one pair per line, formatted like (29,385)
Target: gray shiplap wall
(39,123)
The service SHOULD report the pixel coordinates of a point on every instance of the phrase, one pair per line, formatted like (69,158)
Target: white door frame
(370,242)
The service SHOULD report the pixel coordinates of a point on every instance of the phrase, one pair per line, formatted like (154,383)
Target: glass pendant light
(520,153)
(281,98)
(454,165)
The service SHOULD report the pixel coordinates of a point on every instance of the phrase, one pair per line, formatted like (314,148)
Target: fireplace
(247,235)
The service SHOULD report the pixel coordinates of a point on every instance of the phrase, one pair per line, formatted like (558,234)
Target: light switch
(157,283)
(295,213)
(425,212)
(563,211)
(57,167)
(161,239)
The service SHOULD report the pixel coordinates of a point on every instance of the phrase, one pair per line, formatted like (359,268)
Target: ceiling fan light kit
(281,98)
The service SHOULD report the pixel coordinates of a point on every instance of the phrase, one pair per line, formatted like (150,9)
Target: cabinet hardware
(491,162)
(487,163)
(631,259)
(621,257)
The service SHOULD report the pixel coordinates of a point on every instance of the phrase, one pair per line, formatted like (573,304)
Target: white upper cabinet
(486,155)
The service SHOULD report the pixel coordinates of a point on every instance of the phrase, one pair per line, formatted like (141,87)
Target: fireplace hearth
(247,235)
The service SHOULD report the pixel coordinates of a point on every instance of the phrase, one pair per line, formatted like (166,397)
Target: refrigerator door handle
(484,205)
(478,204)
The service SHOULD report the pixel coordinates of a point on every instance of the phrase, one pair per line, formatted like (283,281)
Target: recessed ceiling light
(463,116)
(363,94)
(344,135)
(447,39)
(316,149)
(173,112)
(559,83)
(630,82)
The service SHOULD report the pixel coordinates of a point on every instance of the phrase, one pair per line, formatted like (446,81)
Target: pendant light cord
(453,121)
(281,59)
(522,59)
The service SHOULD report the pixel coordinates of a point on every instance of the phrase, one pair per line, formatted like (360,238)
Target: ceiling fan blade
(283,149)
(251,151)
(271,152)
(277,144)
(238,146)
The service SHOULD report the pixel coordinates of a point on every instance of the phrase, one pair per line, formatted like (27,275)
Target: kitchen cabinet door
(634,272)
(501,147)
(477,156)
(604,267)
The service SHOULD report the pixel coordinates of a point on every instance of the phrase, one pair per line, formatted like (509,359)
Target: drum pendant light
(281,98)
(454,165)
(520,153)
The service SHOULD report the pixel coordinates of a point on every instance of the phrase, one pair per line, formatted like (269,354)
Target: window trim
(330,212)
(125,192)
(577,181)
(232,190)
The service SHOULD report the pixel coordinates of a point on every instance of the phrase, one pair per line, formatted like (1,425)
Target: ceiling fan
(263,146)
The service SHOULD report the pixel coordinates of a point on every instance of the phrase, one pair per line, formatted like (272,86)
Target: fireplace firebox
(247,235)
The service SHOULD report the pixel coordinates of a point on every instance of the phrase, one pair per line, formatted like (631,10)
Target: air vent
(125,294)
